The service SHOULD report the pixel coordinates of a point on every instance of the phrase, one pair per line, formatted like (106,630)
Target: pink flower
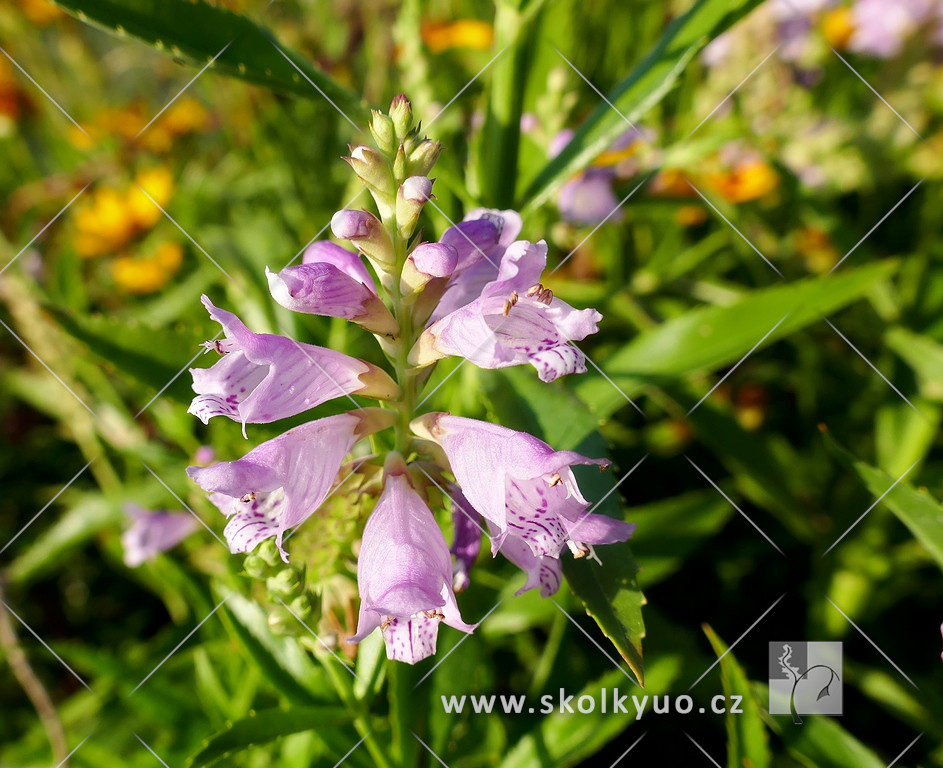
(152,533)
(404,573)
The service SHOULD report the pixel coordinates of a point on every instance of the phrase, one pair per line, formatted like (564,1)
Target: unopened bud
(366,232)
(281,622)
(426,262)
(412,195)
(383,132)
(423,158)
(373,170)
(401,115)
(285,583)
(256,567)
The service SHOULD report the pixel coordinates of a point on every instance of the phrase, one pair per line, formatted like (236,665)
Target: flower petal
(152,533)
(326,252)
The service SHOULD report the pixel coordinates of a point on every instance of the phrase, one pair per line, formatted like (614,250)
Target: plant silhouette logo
(805,678)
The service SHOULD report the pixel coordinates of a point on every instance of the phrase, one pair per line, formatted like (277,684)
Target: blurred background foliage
(737,207)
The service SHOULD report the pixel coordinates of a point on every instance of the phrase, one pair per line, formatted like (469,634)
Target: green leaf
(747,744)
(79,524)
(150,354)
(196,32)
(264,726)
(671,529)
(916,509)
(820,741)
(924,355)
(639,92)
(282,660)
(708,338)
(609,592)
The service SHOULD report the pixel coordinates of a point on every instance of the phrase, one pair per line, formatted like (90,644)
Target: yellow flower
(690,215)
(749,180)
(816,249)
(40,12)
(838,27)
(108,220)
(185,115)
(464,33)
(670,182)
(147,274)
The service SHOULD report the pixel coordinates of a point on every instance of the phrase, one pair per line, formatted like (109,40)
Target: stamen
(507,308)
(218,346)
(250,496)
(386,623)
(434,614)
(534,290)
(555,479)
(545,296)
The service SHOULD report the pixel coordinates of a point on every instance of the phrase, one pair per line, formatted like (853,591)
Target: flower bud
(256,567)
(383,132)
(281,622)
(423,158)
(366,232)
(286,583)
(401,115)
(412,195)
(373,170)
(426,262)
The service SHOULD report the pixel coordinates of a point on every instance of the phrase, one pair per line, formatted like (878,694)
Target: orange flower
(464,33)
(147,274)
(670,182)
(838,25)
(749,180)
(40,12)
(184,116)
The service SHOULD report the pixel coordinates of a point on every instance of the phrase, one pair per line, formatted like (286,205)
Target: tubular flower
(515,320)
(521,486)
(152,533)
(466,541)
(404,573)
(262,377)
(282,482)
(332,281)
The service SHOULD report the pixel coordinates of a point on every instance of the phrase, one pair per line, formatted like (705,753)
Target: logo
(805,679)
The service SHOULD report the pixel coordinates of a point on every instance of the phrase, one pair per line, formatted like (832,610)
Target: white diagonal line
(703,751)
(322,230)
(40,361)
(894,761)
(752,349)
(746,517)
(463,638)
(861,631)
(180,93)
(465,87)
(608,494)
(176,376)
(185,505)
(315,86)
(177,647)
(734,643)
(598,92)
(44,644)
(447,377)
(737,88)
(185,233)
(611,213)
(48,224)
(615,386)
(315,635)
(462,233)
(873,367)
(148,748)
(429,749)
(730,224)
(350,751)
(876,93)
(320,367)
(334,490)
(454,504)
(28,77)
(631,747)
(868,234)
(66,758)
(593,641)
(47,505)
(878,501)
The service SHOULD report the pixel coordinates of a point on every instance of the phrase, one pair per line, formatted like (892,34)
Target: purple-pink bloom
(404,574)
(434,259)
(261,377)
(542,572)
(514,320)
(466,538)
(151,533)
(283,481)
(521,486)
(881,28)
(332,281)
(589,199)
